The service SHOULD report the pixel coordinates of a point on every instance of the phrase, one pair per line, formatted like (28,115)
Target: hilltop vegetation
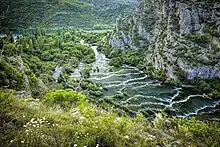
(98,14)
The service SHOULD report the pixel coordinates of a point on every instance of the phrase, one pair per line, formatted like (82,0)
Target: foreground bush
(28,122)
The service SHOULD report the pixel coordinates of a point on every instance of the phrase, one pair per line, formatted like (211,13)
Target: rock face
(180,37)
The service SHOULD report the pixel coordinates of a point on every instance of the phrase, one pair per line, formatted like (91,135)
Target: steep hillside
(180,40)
(63,13)
(110,10)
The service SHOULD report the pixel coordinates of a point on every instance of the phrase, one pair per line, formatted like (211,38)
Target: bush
(116,62)
(197,132)
(203,86)
(132,57)
(10,76)
(66,98)
(46,56)
(6,98)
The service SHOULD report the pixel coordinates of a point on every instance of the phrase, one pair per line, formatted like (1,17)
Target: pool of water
(144,93)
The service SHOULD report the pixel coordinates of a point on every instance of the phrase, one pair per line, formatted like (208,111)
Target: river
(145,93)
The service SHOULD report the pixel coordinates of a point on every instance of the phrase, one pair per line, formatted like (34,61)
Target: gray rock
(57,73)
(162,30)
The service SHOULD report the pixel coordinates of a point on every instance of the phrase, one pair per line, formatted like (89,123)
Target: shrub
(66,98)
(203,86)
(197,132)
(116,62)
(10,76)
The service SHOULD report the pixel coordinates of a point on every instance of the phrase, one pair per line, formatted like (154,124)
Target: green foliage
(210,28)
(133,57)
(11,49)
(39,54)
(10,76)
(116,62)
(203,86)
(6,98)
(66,98)
(197,132)
(46,56)
(160,74)
(159,120)
(85,124)
(64,13)
(202,40)
(85,73)
(86,84)
(129,57)
(214,94)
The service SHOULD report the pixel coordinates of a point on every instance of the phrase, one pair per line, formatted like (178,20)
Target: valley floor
(41,104)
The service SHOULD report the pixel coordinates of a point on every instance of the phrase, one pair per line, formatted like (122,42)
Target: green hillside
(60,13)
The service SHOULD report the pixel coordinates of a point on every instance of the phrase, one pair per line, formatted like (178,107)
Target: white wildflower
(32,119)
(97,145)
(126,137)
(75,145)
(22,141)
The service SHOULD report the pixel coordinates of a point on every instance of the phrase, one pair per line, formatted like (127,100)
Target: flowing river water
(145,93)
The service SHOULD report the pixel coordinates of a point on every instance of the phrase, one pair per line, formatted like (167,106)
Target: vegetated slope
(110,10)
(42,110)
(63,13)
(38,62)
(179,41)
(66,118)
(30,13)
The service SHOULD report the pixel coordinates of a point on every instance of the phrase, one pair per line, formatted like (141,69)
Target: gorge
(114,73)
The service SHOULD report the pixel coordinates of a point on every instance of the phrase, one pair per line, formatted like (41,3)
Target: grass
(30,122)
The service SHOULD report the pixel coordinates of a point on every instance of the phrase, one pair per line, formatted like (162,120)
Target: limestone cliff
(181,38)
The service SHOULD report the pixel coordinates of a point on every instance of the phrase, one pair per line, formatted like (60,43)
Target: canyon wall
(181,38)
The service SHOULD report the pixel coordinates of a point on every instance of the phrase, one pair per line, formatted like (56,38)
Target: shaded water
(143,93)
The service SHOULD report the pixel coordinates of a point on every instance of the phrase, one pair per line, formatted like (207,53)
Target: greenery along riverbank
(30,62)
(137,58)
(42,110)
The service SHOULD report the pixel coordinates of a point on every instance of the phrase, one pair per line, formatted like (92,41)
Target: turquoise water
(144,93)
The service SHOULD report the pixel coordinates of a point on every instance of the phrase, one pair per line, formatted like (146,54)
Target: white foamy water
(142,93)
